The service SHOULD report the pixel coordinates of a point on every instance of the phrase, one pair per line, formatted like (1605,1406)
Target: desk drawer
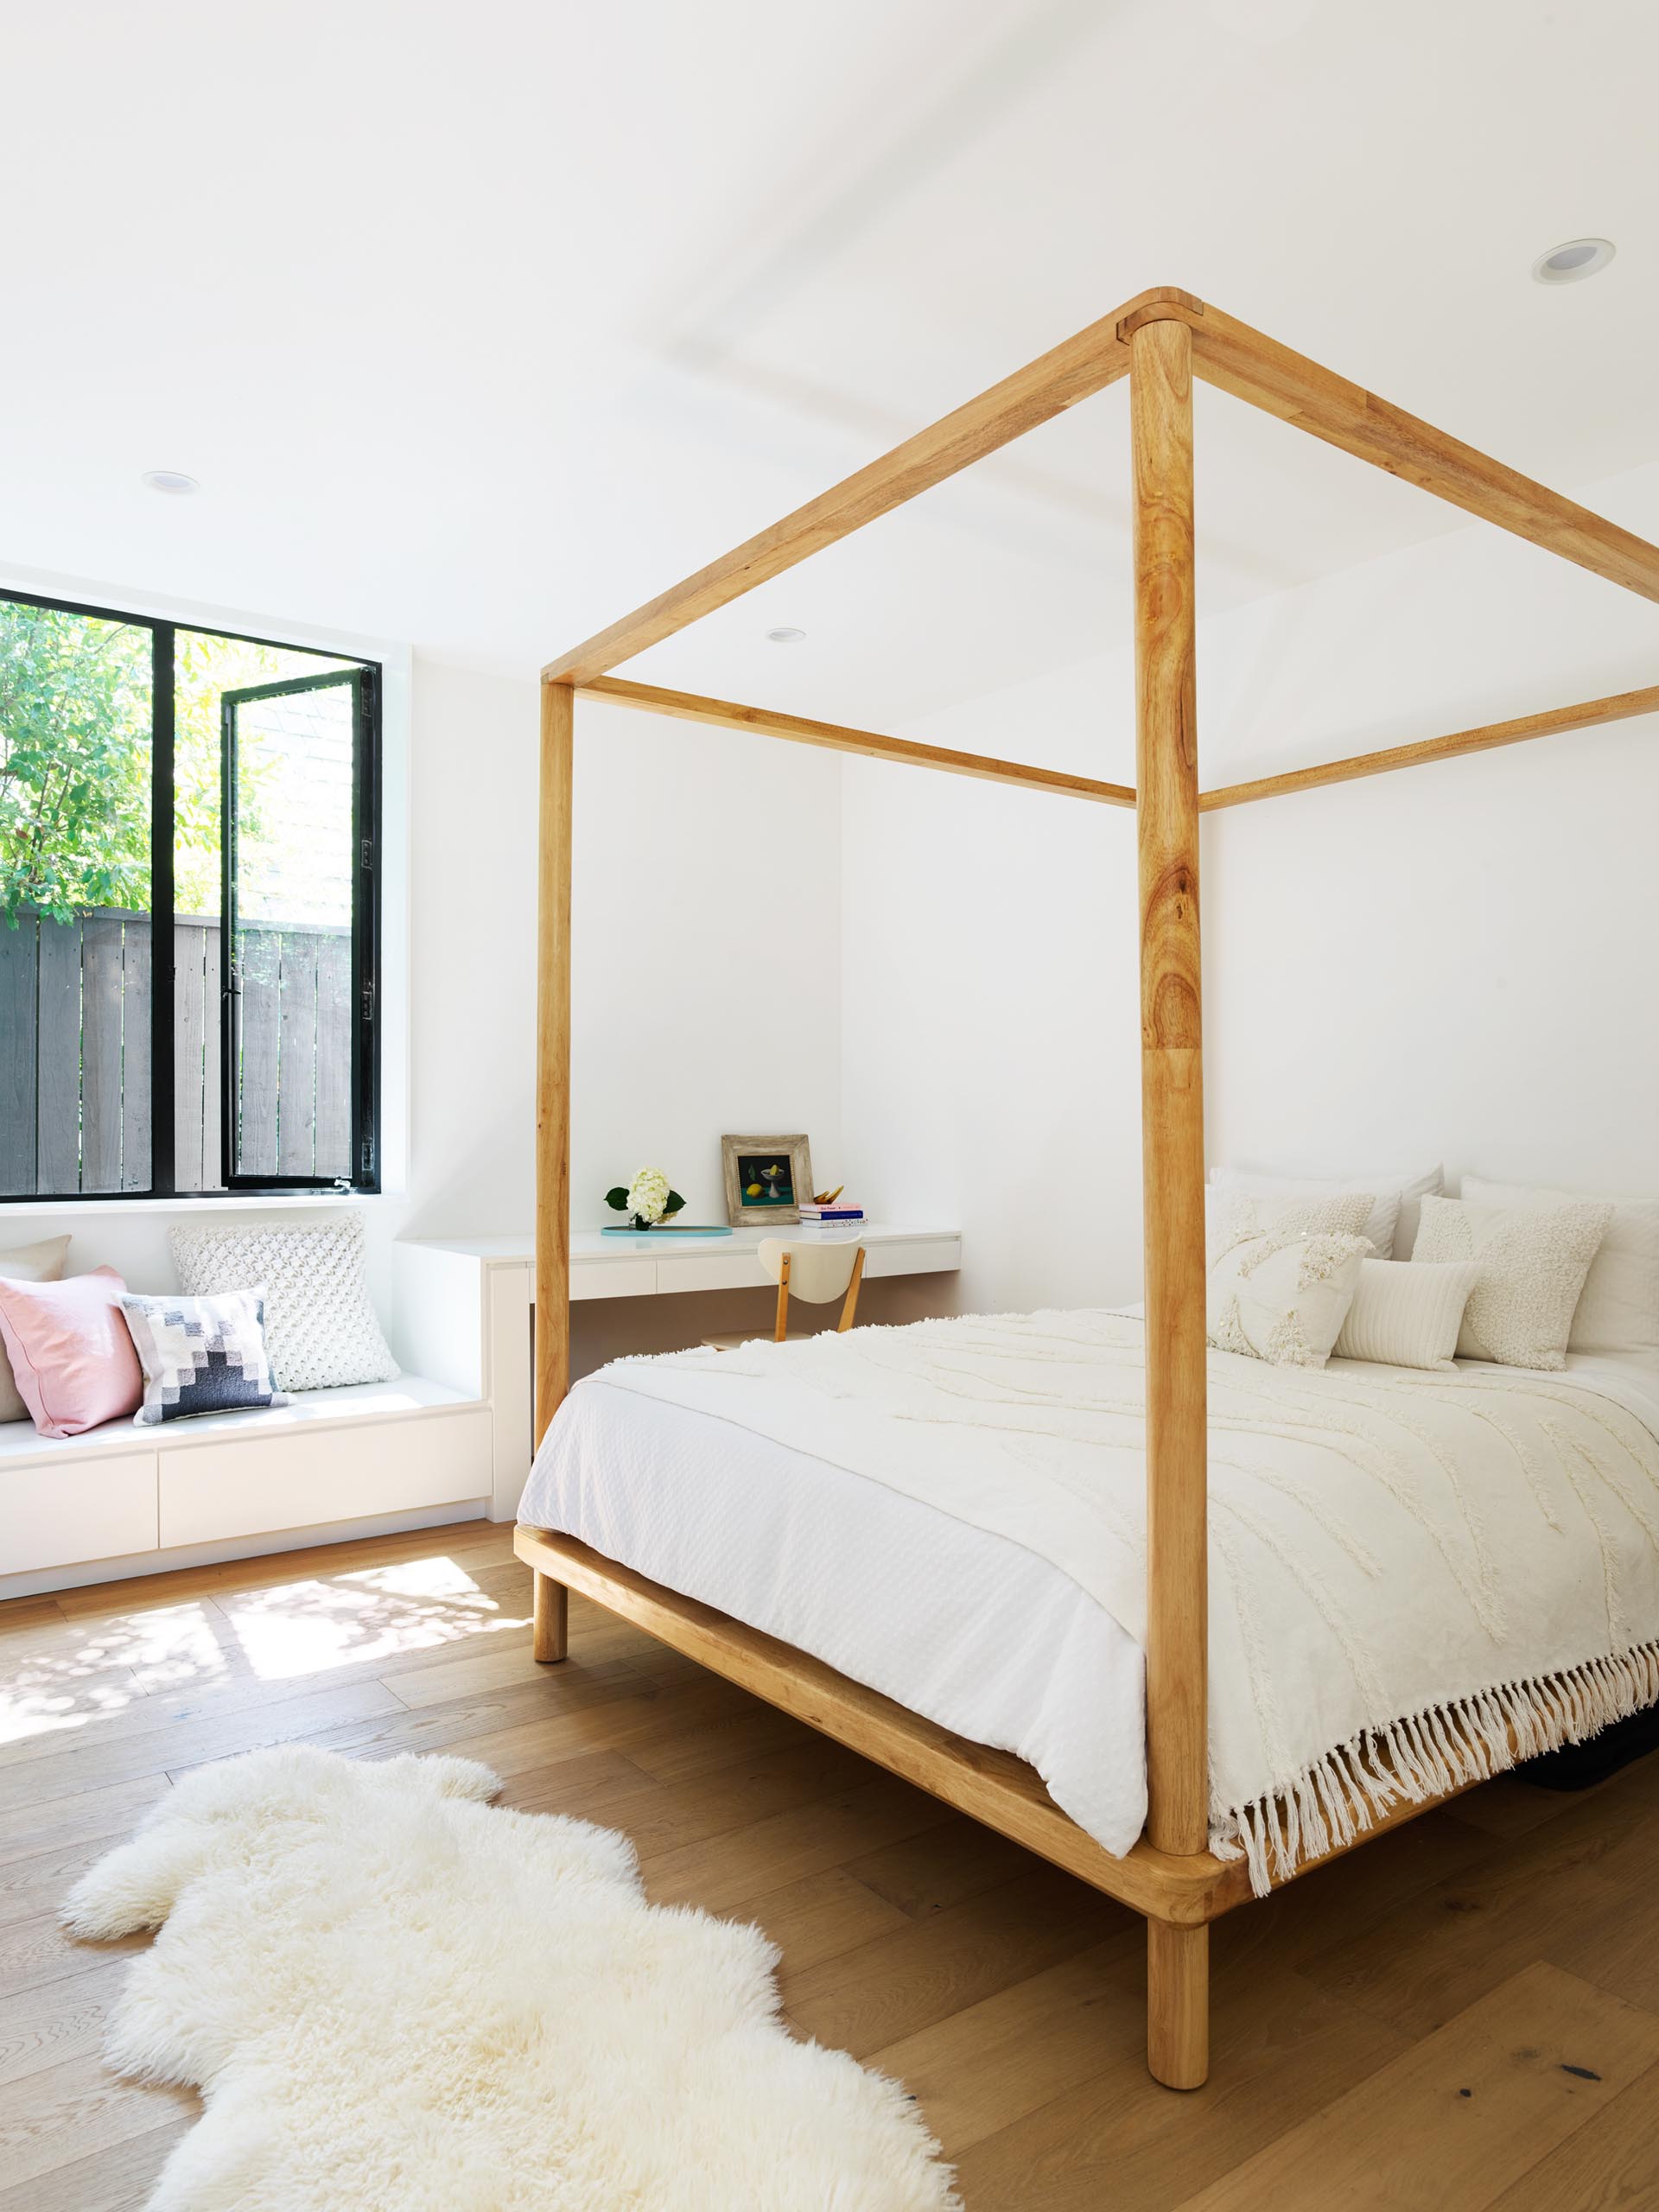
(711,1271)
(613,1279)
(924,1255)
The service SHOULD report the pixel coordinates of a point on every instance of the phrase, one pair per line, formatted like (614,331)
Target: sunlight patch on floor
(108,1665)
(306,1628)
(292,1630)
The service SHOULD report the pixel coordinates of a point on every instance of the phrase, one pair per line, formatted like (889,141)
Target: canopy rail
(1226,353)
(765,721)
(724,714)
(1242,361)
(1587,714)
(1046,387)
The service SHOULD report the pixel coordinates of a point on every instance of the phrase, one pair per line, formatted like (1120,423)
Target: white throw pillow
(1618,1307)
(41,1262)
(1394,1197)
(1236,1217)
(1407,1313)
(1533,1264)
(320,1326)
(1283,1297)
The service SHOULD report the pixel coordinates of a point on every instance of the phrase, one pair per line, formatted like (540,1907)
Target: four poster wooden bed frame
(1160,341)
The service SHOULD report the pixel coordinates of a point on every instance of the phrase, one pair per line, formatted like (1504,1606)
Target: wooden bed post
(549,1635)
(1172,1116)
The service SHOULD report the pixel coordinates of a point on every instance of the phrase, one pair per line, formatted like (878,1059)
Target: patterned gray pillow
(202,1355)
(319,1323)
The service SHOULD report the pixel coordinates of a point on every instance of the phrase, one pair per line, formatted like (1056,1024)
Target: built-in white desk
(462,1306)
(656,1262)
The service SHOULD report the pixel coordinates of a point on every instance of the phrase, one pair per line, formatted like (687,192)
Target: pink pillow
(72,1352)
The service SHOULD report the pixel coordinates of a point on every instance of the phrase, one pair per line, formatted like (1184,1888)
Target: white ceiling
(482,324)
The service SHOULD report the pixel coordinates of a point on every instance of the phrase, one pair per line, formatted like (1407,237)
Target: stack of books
(840,1210)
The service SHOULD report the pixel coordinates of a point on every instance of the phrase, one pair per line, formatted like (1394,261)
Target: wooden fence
(75,1054)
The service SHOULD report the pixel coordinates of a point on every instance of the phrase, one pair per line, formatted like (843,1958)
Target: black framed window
(189,910)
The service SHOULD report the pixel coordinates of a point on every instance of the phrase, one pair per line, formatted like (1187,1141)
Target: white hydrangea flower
(648,1195)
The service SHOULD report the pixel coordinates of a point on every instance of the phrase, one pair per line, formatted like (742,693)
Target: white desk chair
(816,1272)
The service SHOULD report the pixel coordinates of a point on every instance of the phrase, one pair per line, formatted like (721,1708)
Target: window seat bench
(131,1500)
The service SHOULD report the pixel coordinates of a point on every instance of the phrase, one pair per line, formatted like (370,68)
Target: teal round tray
(711,1230)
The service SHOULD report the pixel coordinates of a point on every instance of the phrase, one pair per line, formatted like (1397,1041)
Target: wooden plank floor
(1462,2016)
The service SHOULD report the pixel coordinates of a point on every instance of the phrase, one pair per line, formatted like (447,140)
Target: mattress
(1413,1575)
(966,1628)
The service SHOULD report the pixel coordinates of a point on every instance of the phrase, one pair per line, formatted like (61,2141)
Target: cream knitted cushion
(320,1327)
(1532,1269)
(1283,1298)
(1618,1307)
(1407,1313)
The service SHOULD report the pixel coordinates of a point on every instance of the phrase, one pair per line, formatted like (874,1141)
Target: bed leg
(549,1634)
(1178,2004)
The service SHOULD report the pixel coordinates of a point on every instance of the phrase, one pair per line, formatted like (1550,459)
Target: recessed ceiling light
(786,636)
(1570,263)
(168,480)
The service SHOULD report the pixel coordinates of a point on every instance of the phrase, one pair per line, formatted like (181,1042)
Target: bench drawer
(78,1508)
(305,1476)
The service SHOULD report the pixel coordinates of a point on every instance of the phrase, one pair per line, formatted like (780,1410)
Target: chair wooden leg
(780,1329)
(549,1634)
(851,1306)
(1178,2004)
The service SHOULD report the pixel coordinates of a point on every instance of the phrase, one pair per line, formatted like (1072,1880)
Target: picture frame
(766,1178)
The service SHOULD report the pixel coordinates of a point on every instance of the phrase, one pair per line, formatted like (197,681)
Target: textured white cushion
(320,1326)
(1533,1263)
(1395,1194)
(1283,1297)
(1236,1216)
(1618,1307)
(41,1262)
(1407,1313)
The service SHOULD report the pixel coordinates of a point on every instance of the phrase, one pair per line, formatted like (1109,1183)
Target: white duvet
(1408,1571)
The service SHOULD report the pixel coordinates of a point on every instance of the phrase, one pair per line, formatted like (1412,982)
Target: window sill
(234,1201)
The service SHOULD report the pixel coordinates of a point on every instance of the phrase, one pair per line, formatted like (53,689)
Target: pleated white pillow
(1407,1313)
(1533,1264)
(1618,1307)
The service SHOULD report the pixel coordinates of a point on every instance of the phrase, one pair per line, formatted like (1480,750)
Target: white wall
(706,932)
(1453,963)
(990,1076)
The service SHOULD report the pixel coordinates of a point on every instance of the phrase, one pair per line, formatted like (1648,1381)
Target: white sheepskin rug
(395,1997)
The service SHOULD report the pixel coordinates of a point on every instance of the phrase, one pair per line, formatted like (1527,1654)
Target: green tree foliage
(205,667)
(75,762)
(75,759)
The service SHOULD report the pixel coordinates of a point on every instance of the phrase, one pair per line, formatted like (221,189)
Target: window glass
(206,667)
(117,1060)
(292,879)
(75,923)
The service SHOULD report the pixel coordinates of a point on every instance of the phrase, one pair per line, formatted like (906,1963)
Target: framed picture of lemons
(767,1177)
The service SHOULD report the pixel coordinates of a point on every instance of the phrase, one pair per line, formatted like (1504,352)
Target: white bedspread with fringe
(1415,1577)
